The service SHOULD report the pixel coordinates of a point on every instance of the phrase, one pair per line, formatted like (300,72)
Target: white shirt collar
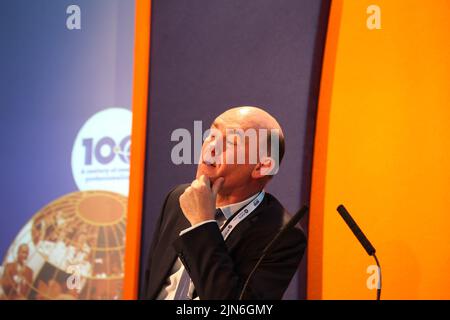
(231,209)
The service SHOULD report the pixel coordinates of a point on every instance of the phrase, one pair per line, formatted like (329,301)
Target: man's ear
(266,167)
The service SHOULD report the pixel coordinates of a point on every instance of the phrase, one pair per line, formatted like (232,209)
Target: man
(217,249)
(17,277)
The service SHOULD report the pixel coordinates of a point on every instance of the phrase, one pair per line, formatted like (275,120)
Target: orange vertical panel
(382,149)
(138,147)
(314,288)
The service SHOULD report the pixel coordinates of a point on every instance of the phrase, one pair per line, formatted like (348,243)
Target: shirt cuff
(195,226)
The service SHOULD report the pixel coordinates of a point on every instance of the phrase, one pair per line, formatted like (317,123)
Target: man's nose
(211,149)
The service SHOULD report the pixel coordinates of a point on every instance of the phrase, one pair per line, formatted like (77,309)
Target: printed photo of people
(71,249)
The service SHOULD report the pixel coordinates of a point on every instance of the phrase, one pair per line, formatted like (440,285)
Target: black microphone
(356,230)
(362,239)
(292,222)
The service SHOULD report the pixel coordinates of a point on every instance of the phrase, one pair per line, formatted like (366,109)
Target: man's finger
(217,186)
(195,183)
(203,178)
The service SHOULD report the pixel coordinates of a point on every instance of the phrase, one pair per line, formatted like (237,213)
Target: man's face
(22,255)
(220,154)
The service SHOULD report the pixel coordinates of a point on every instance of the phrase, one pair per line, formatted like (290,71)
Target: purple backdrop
(208,55)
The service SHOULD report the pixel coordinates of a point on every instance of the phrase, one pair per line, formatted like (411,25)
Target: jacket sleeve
(216,276)
(153,244)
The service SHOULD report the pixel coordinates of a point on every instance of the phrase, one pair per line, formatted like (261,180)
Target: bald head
(248,117)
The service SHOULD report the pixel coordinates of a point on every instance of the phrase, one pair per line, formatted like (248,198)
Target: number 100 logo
(106,150)
(101,152)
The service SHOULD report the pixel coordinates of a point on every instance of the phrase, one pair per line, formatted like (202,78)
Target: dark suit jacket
(220,268)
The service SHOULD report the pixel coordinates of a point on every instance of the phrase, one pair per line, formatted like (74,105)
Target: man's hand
(198,201)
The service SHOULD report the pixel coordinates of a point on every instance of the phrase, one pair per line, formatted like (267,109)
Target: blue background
(51,81)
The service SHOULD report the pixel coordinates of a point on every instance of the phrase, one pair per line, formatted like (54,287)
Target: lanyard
(241,215)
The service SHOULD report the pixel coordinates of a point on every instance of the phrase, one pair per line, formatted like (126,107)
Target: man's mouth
(209,163)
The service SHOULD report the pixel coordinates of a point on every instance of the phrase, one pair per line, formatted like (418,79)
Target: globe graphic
(73,248)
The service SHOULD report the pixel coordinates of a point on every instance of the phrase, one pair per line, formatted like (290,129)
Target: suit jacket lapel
(240,230)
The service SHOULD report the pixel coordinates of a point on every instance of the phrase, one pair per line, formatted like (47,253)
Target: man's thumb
(217,186)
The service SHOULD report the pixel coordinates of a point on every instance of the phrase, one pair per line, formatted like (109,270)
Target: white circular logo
(101,152)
